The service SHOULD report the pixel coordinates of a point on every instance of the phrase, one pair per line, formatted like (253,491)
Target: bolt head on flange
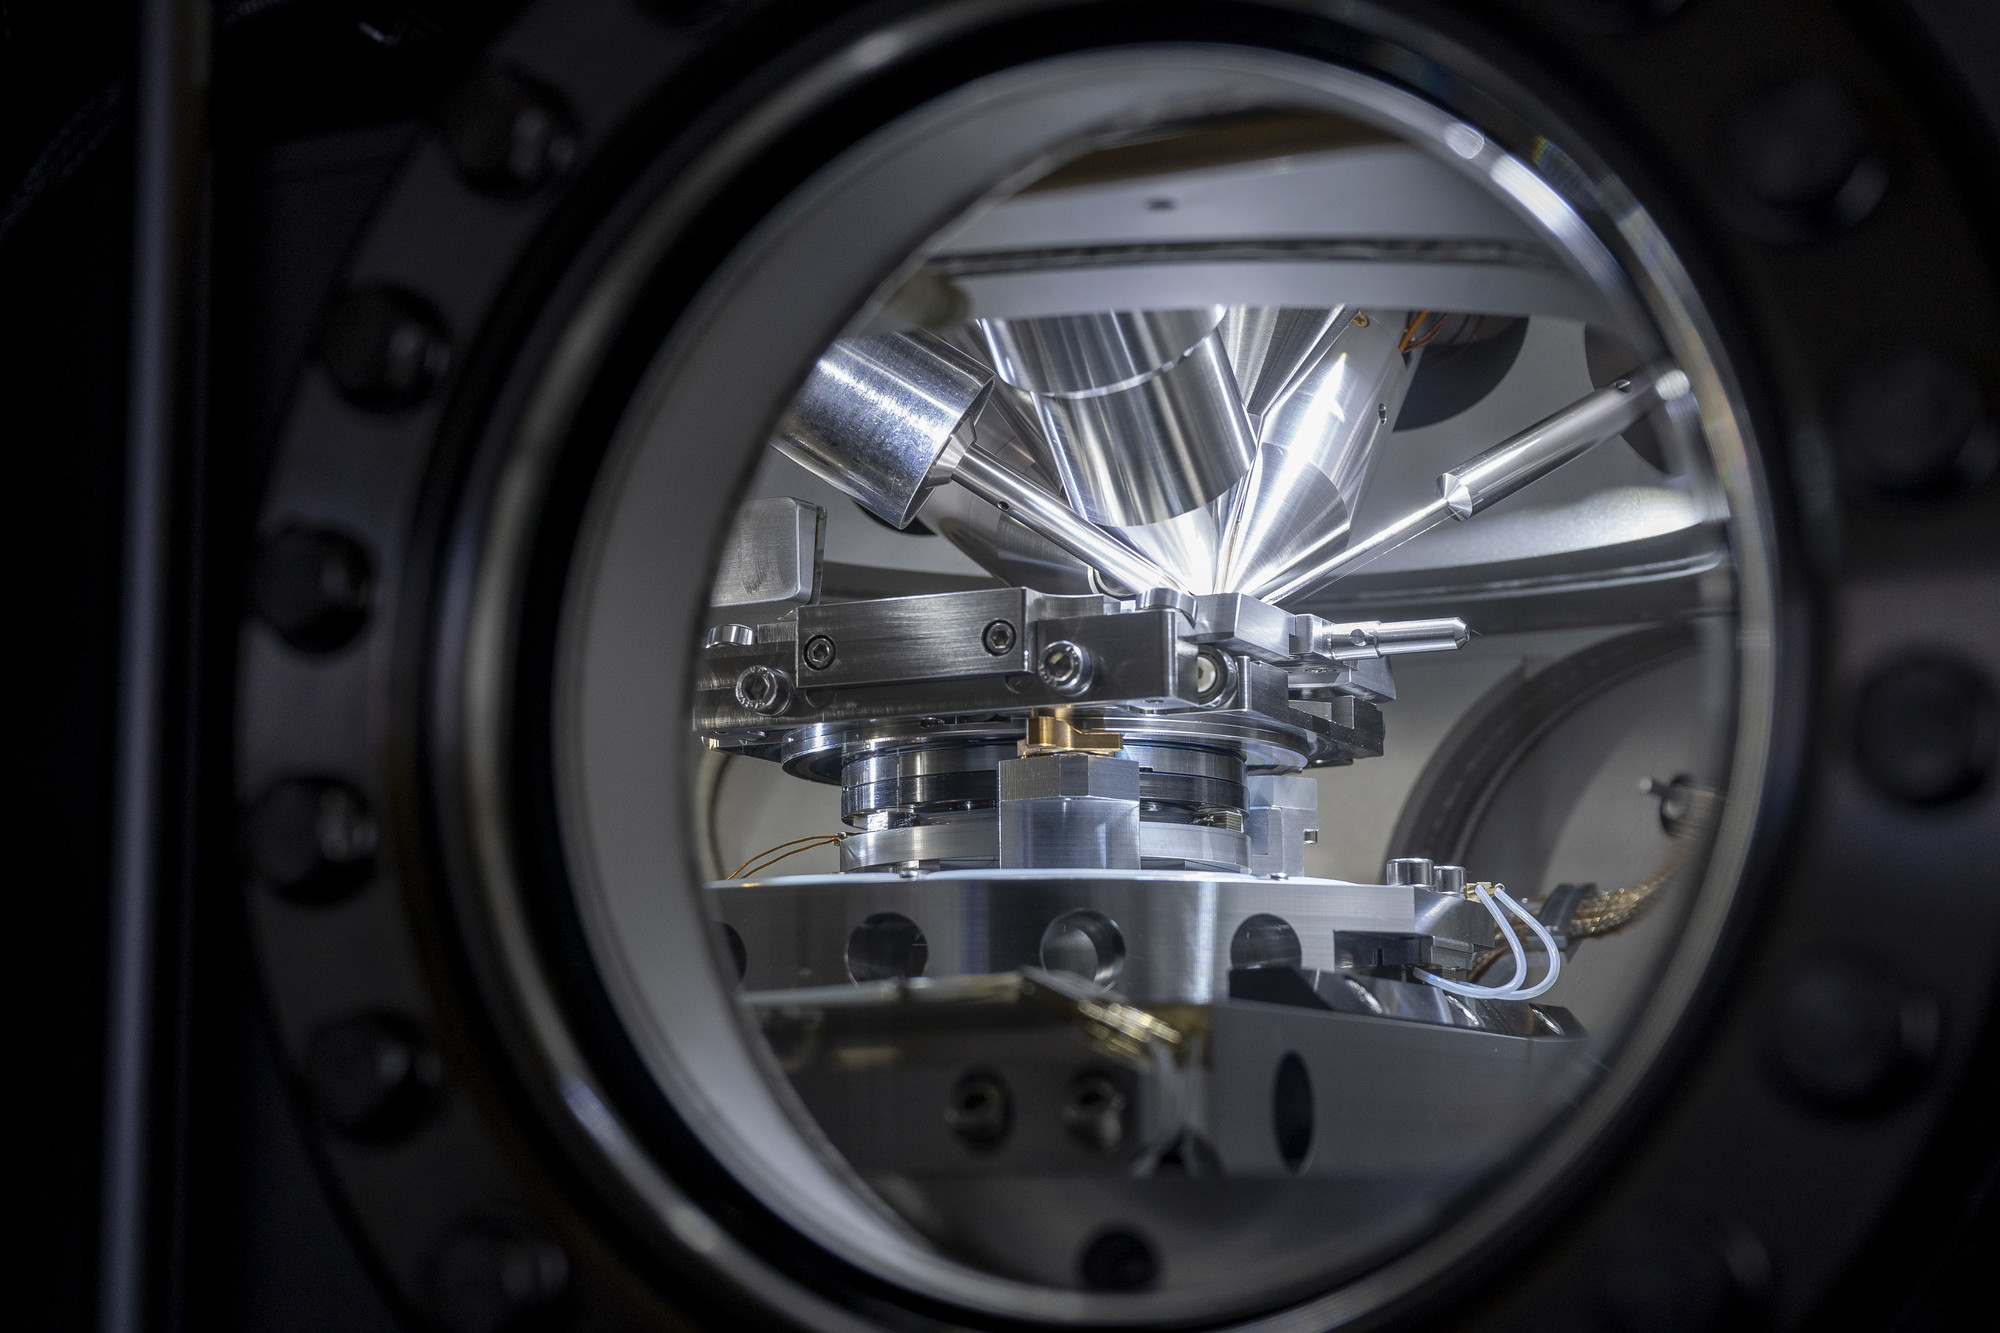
(311,839)
(1800,163)
(1915,424)
(509,134)
(1844,1039)
(313,587)
(373,1077)
(1925,729)
(493,1277)
(385,348)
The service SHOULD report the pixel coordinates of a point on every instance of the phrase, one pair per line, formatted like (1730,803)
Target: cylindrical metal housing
(883,418)
(1140,407)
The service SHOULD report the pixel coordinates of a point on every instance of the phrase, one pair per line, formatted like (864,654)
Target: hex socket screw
(487,1276)
(1065,667)
(999,637)
(818,652)
(763,689)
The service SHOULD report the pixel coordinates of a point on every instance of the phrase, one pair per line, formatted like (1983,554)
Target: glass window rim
(1642,276)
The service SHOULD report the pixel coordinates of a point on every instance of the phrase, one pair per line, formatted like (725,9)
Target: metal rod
(1490,477)
(1359,640)
(1047,516)
(1414,524)
(168,121)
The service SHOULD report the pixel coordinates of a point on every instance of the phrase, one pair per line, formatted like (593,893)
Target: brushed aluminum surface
(879,418)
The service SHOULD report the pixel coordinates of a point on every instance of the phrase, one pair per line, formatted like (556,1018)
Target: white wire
(1474,990)
(1548,942)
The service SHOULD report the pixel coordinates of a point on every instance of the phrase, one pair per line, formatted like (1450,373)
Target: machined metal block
(936,637)
(773,556)
(1070,809)
(1281,817)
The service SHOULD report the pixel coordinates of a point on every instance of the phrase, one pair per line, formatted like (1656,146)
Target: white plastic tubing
(1514,989)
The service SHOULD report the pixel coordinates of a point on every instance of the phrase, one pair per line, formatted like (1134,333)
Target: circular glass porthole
(1148,706)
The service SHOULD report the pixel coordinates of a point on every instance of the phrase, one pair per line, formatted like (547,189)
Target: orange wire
(1403,345)
(757,863)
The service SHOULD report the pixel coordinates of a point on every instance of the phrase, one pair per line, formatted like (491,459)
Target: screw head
(1915,424)
(491,1277)
(999,637)
(313,587)
(373,1077)
(311,839)
(1065,667)
(980,1110)
(818,652)
(509,134)
(385,348)
(763,689)
(1801,162)
(1844,1039)
(1925,729)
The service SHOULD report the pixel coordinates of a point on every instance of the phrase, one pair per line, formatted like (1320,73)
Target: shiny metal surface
(1177,925)
(1124,569)
(1069,810)
(1318,445)
(773,555)
(1526,458)
(1098,353)
(881,417)
(1317,640)
(1281,818)
(1140,409)
(1268,346)
(1492,476)
(970,840)
(939,637)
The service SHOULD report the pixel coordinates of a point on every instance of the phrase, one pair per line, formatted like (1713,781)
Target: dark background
(251,1240)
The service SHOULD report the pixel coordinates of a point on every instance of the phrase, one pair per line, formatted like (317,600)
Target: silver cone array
(1217,450)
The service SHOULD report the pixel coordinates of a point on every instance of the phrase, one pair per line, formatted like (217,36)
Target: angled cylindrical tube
(1523,459)
(883,418)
